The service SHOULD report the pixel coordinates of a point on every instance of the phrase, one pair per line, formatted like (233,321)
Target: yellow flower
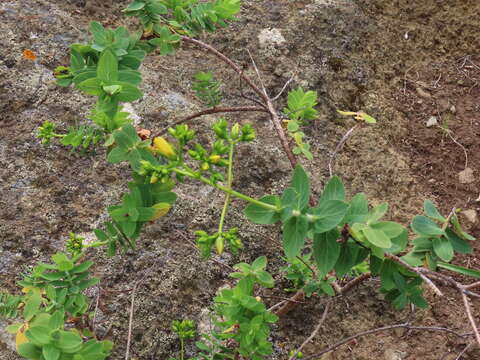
(163,147)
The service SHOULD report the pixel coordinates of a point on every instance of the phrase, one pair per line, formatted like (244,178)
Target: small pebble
(432,121)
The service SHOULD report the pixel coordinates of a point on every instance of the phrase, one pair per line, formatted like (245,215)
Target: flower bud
(214,159)
(235,131)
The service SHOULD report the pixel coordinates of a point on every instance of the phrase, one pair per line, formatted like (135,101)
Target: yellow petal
(163,147)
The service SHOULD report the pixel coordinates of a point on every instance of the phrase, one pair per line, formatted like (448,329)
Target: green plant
(53,295)
(207,89)
(322,239)
(244,317)
(185,329)
(300,109)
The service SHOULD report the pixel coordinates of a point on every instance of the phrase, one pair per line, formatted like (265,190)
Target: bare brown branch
(214,110)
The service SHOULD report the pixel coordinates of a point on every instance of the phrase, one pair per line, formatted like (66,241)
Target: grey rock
(432,121)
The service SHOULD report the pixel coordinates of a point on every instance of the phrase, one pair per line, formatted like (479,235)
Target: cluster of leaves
(438,238)
(300,109)
(207,89)
(344,233)
(53,294)
(244,317)
(9,305)
(190,17)
(300,271)
(85,58)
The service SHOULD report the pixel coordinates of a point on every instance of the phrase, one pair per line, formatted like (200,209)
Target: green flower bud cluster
(237,134)
(156,173)
(74,244)
(182,133)
(205,241)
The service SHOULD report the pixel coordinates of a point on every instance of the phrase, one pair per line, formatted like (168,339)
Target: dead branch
(339,147)
(214,110)
(315,332)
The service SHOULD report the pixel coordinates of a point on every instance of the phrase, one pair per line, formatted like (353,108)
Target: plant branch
(225,189)
(229,185)
(226,60)
(266,99)
(385,328)
(339,147)
(214,110)
(130,323)
(468,309)
(416,271)
(315,332)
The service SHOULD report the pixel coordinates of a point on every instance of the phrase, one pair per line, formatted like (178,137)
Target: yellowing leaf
(21,338)
(161,209)
(361,116)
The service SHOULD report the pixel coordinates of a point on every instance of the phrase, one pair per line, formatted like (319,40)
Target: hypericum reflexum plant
(324,240)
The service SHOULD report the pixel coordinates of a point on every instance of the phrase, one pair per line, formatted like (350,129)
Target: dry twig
(315,332)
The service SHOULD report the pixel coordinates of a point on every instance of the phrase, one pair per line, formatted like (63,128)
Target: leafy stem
(190,173)
(229,185)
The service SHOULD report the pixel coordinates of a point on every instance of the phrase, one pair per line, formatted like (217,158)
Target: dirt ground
(414,65)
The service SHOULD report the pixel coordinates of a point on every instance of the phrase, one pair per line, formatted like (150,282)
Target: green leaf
(68,342)
(50,352)
(347,259)
(39,335)
(459,230)
(117,155)
(107,68)
(260,263)
(390,228)
(57,320)
(62,261)
(460,245)
(377,213)
(32,306)
(130,76)
(460,269)
(432,212)
(399,243)
(294,233)
(330,213)
(358,210)
(301,184)
(326,251)
(29,351)
(301,105)
(377,237)
(443,248)
(81,267)
(260,215)
(134,6)
(92,86)
(334,190)
(422,225)
(128,93)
